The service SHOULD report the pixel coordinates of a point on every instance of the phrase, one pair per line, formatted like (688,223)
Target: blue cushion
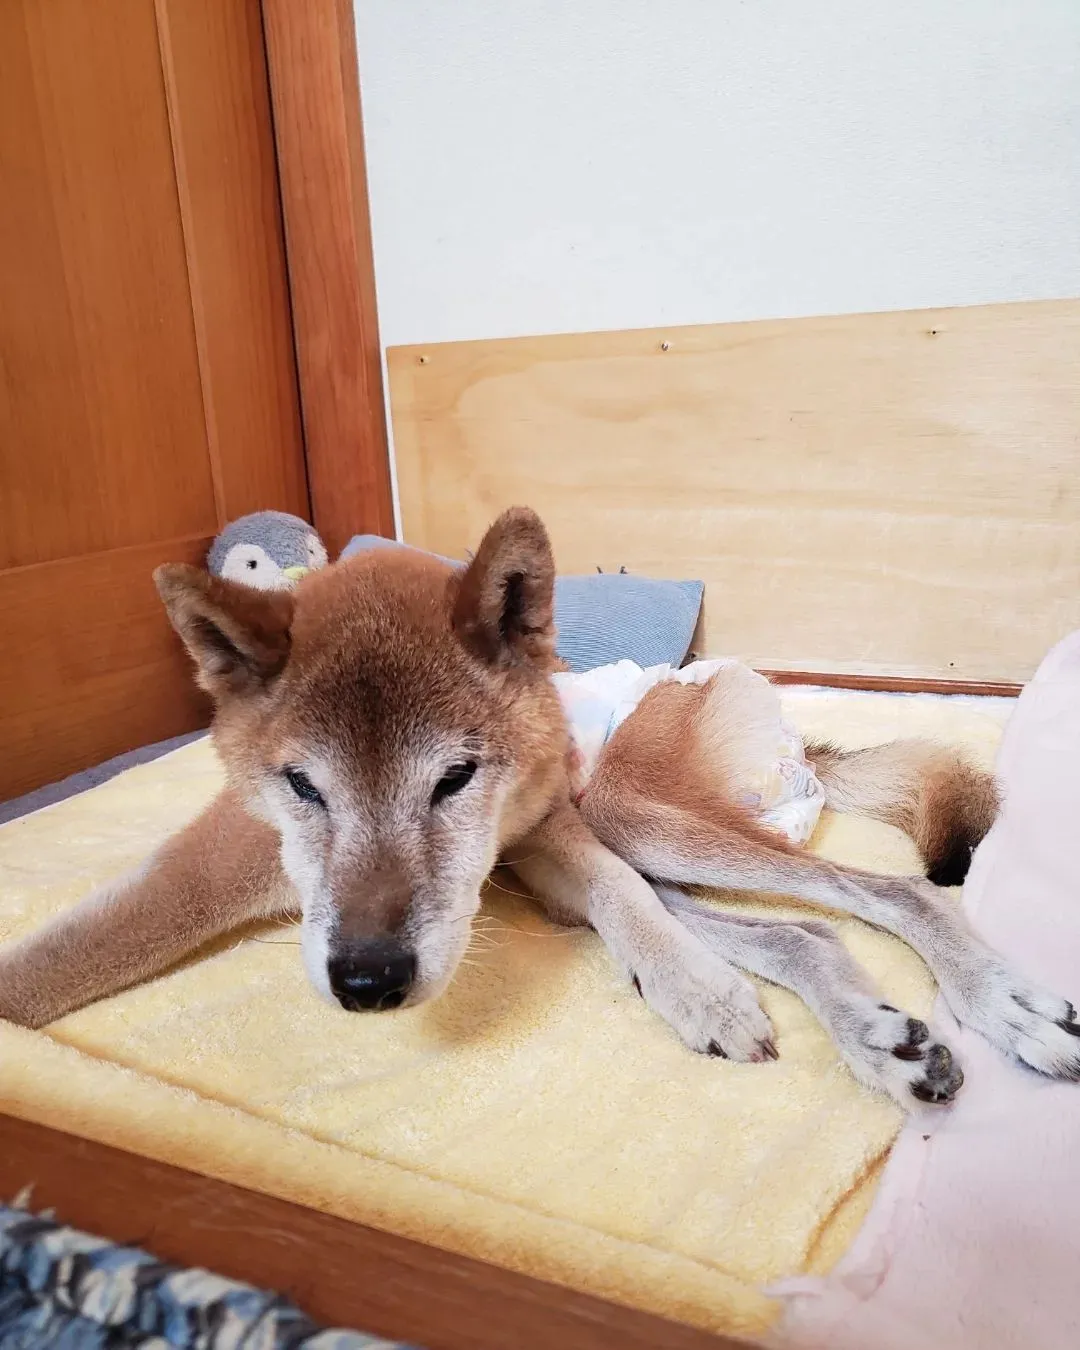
(611,616)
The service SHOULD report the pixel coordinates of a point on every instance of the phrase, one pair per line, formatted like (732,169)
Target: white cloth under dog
(772,776)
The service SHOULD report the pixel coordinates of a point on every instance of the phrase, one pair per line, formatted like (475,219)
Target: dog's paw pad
(941,1078)
(712,1007)
(1024,1020)
(1068,1022)
(911,1047)
(891,1051)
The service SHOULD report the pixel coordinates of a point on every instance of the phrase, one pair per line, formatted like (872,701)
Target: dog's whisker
(520,894)
(532,933)
(484,940)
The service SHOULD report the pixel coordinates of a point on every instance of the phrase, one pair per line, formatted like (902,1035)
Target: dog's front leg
(712,1007)
(221,871)
(884,1047)
(1014,1013)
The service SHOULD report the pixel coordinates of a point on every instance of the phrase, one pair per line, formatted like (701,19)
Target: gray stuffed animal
(269,550)
(601,619)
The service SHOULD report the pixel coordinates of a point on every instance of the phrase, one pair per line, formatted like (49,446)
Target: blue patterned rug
(63,1290)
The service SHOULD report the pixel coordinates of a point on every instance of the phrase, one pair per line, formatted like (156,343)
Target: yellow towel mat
(538,1116)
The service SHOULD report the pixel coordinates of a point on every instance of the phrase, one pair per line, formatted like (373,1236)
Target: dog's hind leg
(680,846)
(712,1007)
(934,794)
(884,1047)
(221,871)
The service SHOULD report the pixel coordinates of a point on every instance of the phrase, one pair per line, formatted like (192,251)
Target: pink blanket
(973,1240)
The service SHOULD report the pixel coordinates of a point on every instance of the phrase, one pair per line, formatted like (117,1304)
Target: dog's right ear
(504,608)
(238,636)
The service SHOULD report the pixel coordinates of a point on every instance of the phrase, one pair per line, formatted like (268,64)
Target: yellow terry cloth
(538,1116)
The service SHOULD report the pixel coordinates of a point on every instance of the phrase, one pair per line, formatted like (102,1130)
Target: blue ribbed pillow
(611,616)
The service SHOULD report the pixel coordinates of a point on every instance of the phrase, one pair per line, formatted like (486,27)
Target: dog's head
(393,718)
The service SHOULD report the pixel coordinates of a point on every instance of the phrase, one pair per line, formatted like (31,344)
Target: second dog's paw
(893,1052)
(1021,1018)
(713,1008)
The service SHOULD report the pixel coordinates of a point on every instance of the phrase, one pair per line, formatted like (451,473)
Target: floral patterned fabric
(64,1290)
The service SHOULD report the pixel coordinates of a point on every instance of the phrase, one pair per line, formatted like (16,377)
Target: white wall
(564,165)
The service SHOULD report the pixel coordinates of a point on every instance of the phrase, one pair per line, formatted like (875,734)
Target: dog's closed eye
(453,780)
(304,788)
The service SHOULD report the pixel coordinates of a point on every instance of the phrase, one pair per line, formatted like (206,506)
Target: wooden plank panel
(219,107)
(875,495)
(311,50)
(341,1274)
(94,667)
(102,442)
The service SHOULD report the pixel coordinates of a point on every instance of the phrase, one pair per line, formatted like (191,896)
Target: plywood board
(874,494)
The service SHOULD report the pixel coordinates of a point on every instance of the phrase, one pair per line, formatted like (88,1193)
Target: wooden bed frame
(342,1274)
(833,406)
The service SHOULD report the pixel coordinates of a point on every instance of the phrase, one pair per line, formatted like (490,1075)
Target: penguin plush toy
(601,618)
(269,550)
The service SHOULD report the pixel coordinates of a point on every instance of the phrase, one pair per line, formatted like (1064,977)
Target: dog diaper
(766,762)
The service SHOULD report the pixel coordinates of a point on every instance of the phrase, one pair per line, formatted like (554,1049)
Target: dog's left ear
(504,609)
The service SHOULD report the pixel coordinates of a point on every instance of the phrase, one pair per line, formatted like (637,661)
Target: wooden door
(147,379)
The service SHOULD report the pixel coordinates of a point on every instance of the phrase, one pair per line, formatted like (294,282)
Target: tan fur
(220,872)
(929,791)
(671,760)
(390,728)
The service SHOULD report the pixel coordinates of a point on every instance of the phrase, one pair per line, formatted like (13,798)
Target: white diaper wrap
(766,764)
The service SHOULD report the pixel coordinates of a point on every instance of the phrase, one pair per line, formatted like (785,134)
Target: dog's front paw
(1021,1018)
(712,1007)
(891,1051)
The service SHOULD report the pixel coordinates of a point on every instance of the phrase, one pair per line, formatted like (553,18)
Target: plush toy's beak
(295,573)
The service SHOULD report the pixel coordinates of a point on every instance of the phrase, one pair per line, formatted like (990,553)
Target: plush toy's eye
(304,788)
(453,780)
(252,563)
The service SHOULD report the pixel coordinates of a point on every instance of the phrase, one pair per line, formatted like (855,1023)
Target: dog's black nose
(372,977)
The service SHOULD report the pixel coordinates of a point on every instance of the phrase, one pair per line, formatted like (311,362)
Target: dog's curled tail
(938,797)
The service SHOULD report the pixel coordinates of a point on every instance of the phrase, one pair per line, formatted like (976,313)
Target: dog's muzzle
(373,977)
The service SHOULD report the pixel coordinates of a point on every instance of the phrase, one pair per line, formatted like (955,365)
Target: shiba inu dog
(391,728)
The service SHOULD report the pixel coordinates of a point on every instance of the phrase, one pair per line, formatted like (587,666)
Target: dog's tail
(944,802)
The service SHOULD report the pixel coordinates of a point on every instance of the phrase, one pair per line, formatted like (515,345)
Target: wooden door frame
(318,130)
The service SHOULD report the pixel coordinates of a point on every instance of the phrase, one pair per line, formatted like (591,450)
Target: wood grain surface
(218,94)
(96,668)
(341,1274)
(102,436)
(148,390)
(311,48)
(877,495)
